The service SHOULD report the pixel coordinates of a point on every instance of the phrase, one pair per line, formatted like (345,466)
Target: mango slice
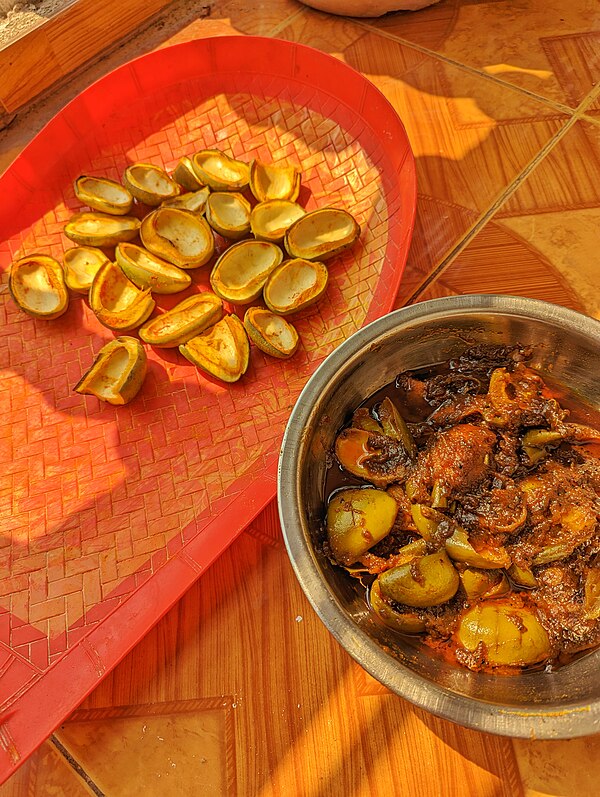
(149,183)
(148,271)
(220,172)
(241,271)
(321,234)
(271,333)
(183,322)
(294,285)
(223,350)
(117,373)
(271,181)
(357,519)
(37,285)
(91,228)
(182,238)
(185,175)
(81,264)
(194,202)
(116,301)
(103,194)
(269,221)
(228,213)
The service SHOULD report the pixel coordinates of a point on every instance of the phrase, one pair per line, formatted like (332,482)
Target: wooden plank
(65,42)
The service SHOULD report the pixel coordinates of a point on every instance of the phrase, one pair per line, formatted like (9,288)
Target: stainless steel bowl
(544,705)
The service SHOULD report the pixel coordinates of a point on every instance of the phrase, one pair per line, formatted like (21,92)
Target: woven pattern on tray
(96,498)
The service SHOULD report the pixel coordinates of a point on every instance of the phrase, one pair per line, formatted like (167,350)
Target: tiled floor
(239,689)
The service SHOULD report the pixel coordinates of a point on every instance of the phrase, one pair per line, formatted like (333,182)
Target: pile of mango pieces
(120,260)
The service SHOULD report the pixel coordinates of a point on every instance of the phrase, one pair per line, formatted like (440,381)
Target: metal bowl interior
(561,704)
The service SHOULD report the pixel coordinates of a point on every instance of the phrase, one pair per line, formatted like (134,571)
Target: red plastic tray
(109,514)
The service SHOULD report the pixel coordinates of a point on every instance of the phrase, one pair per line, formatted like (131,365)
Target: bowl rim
(573,720)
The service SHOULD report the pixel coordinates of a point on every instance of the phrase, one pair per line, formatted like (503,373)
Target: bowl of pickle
(439,494)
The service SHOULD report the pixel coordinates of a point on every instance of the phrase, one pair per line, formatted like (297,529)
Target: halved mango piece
(321,234)
(103,194)
(270,220)
(183,322)
(223,350)
(116,301)
(185,175)
(148,271)
(271,333)
(149,183)
(241,271)
(294,285)
(180,237)
(37,285)
(81,264)
(117,373)
(91,228)
(194,202)
(220,172)
(228,213)
(271,181)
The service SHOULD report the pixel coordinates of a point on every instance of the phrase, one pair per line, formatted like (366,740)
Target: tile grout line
(287,21)
(76,766)
(557,106)
(491,211)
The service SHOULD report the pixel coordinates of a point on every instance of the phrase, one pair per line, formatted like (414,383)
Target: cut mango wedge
(81,264)
(271,220)
(183,322)
(149,271)
(118,372)
(37,285)
(149,183)
(182,238)
(100,229)
(228,213)
(241,271)
(220,172)
(270,181)
(321,234)
(294,285)
(271,333)
(185,175)
(103,194)
(222,351)
(116,301)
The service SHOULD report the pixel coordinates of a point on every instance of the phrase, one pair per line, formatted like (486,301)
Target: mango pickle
(428,581)
(502,492)
(357,519)
(403,622)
